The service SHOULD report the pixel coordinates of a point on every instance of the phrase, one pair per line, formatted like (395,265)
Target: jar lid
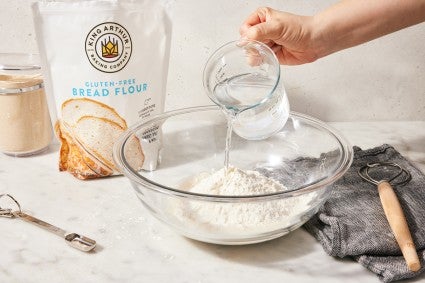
(19,73)
(12,84)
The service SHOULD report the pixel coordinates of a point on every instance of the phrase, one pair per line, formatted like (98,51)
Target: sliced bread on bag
(97,136)
(74,109)
(74,159)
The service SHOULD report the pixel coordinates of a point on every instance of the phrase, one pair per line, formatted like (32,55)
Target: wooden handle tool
(398,224)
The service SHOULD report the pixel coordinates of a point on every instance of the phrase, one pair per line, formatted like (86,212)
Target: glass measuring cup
(243,77)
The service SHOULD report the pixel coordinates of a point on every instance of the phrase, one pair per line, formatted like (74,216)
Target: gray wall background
(381,80)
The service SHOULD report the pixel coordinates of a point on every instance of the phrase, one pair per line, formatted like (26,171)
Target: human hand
(289,36)
(302,39)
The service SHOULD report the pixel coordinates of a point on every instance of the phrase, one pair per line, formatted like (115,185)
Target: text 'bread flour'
(105,65)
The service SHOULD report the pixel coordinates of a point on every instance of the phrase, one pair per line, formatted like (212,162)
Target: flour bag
(105,66)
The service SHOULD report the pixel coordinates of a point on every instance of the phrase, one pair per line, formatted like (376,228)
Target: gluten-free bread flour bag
(105,67)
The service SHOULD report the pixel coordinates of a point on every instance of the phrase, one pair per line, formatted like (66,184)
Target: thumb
(263,32)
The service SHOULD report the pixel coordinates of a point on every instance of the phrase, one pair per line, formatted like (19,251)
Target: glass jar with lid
(25,126)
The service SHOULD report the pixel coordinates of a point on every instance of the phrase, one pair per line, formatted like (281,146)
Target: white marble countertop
(135,247)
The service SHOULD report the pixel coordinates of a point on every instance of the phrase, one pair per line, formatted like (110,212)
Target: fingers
(258,16)
(285,33)
(244,27)
(264,32)
(262,25)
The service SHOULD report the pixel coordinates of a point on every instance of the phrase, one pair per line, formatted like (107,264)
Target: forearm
(352,22)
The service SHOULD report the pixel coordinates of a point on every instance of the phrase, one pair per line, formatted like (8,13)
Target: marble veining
(135,247)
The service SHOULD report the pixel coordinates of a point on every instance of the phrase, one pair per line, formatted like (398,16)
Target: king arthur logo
(108,47)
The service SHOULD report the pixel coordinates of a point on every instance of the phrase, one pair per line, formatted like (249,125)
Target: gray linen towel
(352,222)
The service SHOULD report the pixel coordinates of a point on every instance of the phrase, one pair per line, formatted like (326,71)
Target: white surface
(135,247)
(381,80)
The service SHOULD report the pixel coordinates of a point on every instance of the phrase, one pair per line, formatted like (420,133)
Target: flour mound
(236,182)
(241,217)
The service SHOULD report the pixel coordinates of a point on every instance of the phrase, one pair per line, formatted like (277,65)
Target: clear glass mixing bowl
(306,156)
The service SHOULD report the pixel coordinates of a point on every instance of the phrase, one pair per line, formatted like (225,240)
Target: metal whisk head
(389,172)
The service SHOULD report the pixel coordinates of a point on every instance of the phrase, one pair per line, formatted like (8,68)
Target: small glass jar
(25,126)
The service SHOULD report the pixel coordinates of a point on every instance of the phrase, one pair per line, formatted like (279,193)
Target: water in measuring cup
(240,92)
(260,108)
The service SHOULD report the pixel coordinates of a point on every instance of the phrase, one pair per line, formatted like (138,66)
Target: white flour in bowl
(235,182)
(241,217)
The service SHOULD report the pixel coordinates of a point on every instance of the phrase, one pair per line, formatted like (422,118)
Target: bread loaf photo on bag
(74,109)
(87,131)
(74,159)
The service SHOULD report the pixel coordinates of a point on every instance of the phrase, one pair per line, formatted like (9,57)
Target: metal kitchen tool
(75,240)
(395,175)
